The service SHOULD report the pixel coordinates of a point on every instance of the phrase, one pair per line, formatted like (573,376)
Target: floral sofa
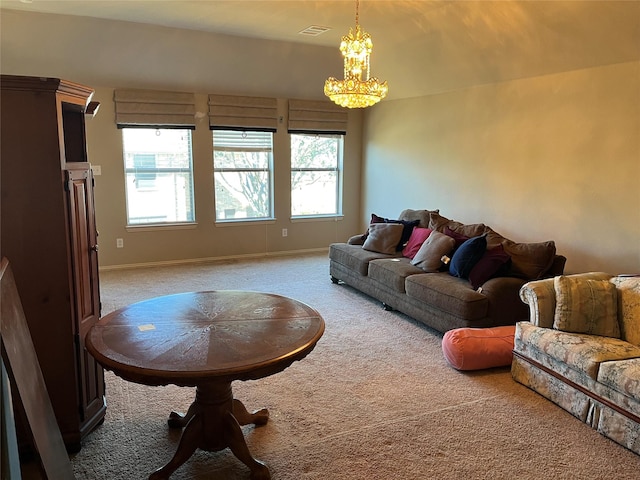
(442,272)
(581,350)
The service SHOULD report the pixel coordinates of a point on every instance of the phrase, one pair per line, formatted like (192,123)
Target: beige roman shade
(312,116)
(229,112)
(141,108)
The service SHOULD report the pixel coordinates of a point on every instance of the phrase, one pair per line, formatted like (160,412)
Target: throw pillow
(374,219)
(492,261)
(406,232)
(417,238)
(530,260)
(429,255)
(467,255)
(383,237)
(586,306)
(478,348)
(458,237)
(628,288)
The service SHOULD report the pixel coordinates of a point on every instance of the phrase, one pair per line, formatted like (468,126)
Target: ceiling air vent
(314,30)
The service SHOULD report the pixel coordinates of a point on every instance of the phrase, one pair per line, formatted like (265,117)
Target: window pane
(159,178)
(242,195)
(314,151)
(242,164)
(238,160)
(163,199)
(314,193)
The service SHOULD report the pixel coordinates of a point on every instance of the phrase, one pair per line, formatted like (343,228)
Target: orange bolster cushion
(478,348)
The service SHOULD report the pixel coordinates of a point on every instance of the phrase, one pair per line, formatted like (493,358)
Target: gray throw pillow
(429,257)
(586,306)
(383,237)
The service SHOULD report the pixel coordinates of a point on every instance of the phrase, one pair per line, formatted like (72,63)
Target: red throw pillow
(488,266)
(417,238)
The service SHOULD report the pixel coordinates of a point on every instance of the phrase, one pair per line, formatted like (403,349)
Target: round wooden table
(207,340)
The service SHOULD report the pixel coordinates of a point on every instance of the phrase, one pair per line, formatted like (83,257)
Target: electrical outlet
(119,243)
(284,232)
(97,170)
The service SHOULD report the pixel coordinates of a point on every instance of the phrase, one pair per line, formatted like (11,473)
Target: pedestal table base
(212,423)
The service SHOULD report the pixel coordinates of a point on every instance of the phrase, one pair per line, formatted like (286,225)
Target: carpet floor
(375,400)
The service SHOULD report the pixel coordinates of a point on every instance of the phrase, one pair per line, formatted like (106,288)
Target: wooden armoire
(48,233)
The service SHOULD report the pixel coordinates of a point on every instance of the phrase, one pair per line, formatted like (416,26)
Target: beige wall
(552,157)
(107,55)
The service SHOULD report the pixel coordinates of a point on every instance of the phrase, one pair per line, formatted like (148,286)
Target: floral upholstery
(628,307)
(595,378)
(577,351)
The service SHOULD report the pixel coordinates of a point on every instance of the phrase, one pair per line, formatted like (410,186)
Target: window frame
(338,169)
(159,171)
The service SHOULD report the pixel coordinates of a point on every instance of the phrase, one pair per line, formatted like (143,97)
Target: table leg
(259,417)
(212,423)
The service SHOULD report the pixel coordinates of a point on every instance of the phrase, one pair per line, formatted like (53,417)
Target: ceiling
(420,47)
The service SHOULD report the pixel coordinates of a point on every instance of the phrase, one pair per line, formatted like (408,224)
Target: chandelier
(354,91)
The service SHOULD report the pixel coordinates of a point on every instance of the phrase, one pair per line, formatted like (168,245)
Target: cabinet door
(84,255)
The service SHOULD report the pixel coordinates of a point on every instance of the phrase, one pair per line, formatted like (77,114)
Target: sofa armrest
(540,295)
(541,298)
(504,304)
(356,240)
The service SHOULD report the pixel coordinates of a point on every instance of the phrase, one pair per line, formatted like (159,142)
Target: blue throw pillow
(467,255)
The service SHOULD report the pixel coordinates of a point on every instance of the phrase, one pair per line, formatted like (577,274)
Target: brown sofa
(436,297)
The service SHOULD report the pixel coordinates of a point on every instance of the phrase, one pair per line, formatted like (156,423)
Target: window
(316,161)
(242,172)
(159,175)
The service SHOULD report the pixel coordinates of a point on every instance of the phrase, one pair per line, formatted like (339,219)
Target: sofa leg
(388,308)
(334,280)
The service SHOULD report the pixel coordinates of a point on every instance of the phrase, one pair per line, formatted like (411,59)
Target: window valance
(229,112)
(310,116)
(142,108)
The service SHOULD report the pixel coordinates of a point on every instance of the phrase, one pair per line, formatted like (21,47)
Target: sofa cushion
(622,375)
(449,294)
(392,272)
(467,255)
(586,306)
(422,216)
(417,238)
(354,257)
(491,264)
(577,351)
(429,256)
(383,237)
(530,261)
(628,287)
(438,222)
(462,232)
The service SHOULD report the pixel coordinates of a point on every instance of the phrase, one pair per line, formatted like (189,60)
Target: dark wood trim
(606,402)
